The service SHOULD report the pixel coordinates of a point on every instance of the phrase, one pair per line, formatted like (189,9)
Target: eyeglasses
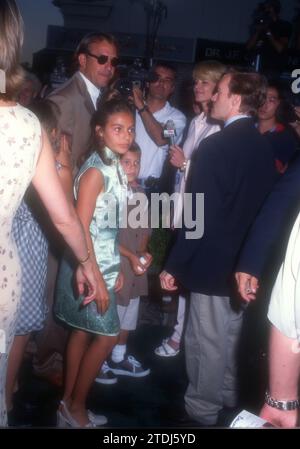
(102,59)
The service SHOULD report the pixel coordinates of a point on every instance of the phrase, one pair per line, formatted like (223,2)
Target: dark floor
(152,401)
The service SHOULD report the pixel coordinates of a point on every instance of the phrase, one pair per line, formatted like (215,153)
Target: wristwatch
(281,405)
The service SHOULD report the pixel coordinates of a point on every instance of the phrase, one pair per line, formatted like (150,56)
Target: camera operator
(271,35)
(152,114)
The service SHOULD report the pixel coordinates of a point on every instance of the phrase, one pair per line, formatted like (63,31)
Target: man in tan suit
(96,56)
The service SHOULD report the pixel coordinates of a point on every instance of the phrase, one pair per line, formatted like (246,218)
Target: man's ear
(236,102)
(82,60)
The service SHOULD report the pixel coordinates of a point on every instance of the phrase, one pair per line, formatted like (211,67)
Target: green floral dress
(104,233)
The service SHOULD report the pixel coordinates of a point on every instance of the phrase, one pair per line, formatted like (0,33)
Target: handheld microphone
(170,131)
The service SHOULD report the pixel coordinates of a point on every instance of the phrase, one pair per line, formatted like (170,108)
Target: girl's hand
(102,296)
(176,156)
(85,278)
(119,282)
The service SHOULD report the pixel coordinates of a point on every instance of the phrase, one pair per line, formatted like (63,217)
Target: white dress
(284,308)
(20,144)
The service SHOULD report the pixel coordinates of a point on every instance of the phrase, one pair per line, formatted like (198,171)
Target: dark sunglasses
(102,59)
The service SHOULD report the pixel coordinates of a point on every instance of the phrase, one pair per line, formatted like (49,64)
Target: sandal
(66,420)
(165,350)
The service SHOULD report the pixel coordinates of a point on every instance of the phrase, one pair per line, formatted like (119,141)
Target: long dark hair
(100,118)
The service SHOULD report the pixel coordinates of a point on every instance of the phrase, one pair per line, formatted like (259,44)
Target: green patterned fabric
(105,241)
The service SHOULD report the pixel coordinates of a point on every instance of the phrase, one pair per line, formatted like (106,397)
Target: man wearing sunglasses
(96,57)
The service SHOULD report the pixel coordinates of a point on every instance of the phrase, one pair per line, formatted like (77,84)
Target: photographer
(152,114)
(271,35)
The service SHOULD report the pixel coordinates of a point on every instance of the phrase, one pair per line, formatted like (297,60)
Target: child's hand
(85,278)
(101,296)
(147,256)
(137,266)
(119,282)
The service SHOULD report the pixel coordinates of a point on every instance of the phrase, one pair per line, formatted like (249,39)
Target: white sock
(118,353)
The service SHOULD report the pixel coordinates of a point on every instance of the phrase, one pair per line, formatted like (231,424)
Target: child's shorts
(128,315)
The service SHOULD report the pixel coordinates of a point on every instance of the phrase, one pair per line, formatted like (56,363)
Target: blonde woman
(206,75)
(26,156)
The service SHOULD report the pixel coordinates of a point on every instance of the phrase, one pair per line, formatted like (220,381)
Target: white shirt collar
(235,118)
(92,89)
(165,109)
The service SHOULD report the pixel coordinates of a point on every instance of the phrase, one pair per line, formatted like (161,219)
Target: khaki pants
(211,339)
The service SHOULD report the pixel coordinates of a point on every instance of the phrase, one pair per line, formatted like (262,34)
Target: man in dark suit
(269,234)
(235,170)
(96,56)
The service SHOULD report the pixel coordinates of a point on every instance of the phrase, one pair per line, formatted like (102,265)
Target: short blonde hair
(11,40)
(211,70)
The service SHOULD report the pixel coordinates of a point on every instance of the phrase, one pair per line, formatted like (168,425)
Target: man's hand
(167,281)
(247,286)
(138,97)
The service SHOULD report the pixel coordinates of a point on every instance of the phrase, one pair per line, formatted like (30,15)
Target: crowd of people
(73,161)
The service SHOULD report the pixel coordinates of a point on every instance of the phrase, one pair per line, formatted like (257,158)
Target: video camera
(131,76)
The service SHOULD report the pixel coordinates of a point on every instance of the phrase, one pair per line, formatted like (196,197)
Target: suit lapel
(84,92)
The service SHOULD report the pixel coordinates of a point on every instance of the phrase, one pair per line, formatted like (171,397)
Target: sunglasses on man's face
(102,59)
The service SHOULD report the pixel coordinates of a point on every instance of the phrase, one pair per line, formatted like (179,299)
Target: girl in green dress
(100,190)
